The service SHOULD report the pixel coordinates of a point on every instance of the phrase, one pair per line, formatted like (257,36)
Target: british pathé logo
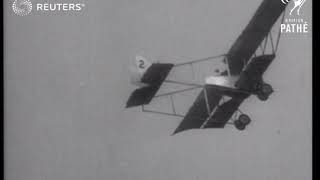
(297,4)
(22,7)
(285,1)
(294,23)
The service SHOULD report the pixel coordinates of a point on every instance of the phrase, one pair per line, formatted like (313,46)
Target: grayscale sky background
(67,82)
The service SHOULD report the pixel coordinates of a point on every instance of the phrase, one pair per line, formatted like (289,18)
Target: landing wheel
(244,119)
(263,97)
(239,125)
(266,89)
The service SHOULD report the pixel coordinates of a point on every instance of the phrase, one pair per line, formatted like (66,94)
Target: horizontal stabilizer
(156,74)
(153,77)
(142,96)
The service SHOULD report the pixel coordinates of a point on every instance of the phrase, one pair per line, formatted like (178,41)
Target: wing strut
(279,32)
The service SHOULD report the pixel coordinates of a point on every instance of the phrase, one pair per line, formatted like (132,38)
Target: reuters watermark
(59,7)
(25,7)
(22,7)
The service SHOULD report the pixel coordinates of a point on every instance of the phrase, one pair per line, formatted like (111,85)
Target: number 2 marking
(141,64)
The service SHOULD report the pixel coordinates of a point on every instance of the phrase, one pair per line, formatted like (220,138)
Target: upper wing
(254,71)
(252,36)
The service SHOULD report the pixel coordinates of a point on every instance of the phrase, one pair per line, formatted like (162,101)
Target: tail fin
(142,64)
(138,70)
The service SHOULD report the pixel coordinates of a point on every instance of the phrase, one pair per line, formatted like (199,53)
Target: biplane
(220,95)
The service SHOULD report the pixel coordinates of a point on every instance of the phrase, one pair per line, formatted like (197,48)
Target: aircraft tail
(151,81)
(141,65)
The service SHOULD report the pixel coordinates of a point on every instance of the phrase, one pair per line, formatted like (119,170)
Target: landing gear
(242,121)
(264,91)
(263,97)
(240,126)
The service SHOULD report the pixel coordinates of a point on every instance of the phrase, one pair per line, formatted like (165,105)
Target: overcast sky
(67,82)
